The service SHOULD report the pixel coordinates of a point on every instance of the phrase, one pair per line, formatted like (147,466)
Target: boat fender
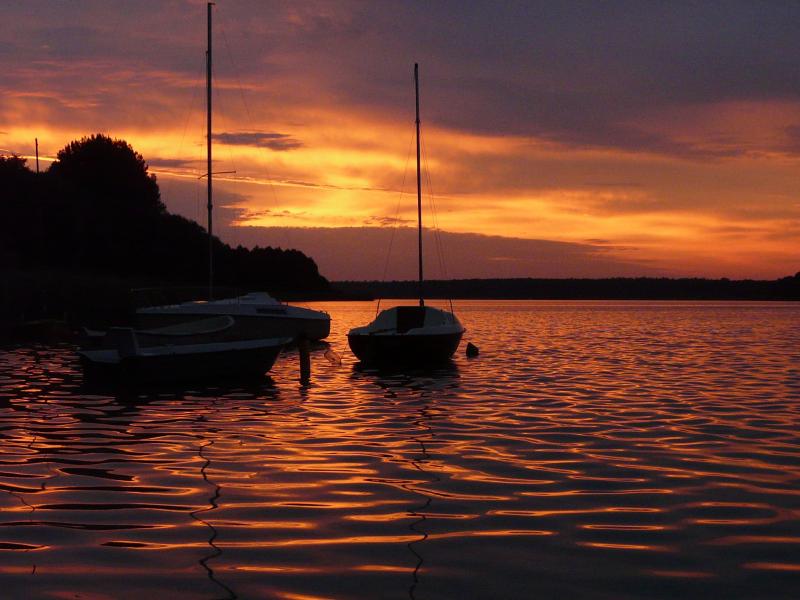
(333,357)
(472,350)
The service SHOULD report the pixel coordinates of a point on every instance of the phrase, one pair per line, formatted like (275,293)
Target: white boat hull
(256,316)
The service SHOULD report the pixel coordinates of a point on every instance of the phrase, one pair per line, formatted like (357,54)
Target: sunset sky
(562,139)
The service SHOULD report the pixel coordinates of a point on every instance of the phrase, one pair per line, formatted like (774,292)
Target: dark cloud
(581,73)
(172,163)
(248,214)
(273,141)
(386,221)
(577,73)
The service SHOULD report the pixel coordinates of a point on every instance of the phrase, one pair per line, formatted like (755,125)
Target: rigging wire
(223,115)
(434,216)
(197,199)
(235,69)
(190,110)
(436,231)
(396,217)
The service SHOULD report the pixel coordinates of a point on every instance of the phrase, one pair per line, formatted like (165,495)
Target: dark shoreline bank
(619,288)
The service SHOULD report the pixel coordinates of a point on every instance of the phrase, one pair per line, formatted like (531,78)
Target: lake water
(593,450)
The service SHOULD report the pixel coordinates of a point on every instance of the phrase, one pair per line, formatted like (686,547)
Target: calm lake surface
(593,450)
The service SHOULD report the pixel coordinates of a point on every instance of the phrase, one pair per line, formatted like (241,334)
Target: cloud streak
(279,142)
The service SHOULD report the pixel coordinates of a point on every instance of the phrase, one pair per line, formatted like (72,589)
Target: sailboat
(256,315)
(409,335)
(187,352)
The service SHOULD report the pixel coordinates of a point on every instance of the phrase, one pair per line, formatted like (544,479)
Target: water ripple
(625,450)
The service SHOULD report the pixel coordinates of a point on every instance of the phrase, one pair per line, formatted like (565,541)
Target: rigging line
(235,69)
(396,217)
(250,121)
(197,199)
(436,231)
(432,204)
(223,115)
(432,207)
(189,112)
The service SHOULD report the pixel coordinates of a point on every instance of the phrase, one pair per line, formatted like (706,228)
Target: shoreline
(618,288)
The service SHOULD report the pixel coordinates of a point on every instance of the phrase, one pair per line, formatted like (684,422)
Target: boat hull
(404,349)
(248,327)
(234,363)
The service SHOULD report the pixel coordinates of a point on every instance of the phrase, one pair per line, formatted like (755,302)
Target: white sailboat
(409,335)
(256,315)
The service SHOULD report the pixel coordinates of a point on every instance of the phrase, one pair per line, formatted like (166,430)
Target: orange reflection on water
(279,569)
(680,574)
(405,515)
(733,540)
(630,492)
(610,546)
(609,443)
(772,566)
(605,527)
(382,568)
(293,596)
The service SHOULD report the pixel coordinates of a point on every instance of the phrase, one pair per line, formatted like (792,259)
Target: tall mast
(419,188)
(208,127)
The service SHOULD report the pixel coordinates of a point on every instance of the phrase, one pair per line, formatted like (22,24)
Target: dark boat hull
(223,364)
(404,349)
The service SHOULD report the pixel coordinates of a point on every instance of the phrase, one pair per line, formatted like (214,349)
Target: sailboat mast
(419,189)
(208,141)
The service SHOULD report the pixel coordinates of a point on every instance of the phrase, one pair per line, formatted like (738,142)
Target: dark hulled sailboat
(409,335)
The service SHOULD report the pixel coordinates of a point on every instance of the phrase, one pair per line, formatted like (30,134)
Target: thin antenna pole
(37,154)
(419,188)
(208,127)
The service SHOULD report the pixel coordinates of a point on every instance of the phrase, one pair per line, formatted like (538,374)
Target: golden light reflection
(641,547)
(567,450)
(681,574)
(772,566)
(294,596)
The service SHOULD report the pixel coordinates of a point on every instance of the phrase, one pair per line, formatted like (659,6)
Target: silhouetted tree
(113,200)
(98,209)
(22,204)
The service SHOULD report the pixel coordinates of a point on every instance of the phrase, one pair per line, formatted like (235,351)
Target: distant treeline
(617,288)
(97,213)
